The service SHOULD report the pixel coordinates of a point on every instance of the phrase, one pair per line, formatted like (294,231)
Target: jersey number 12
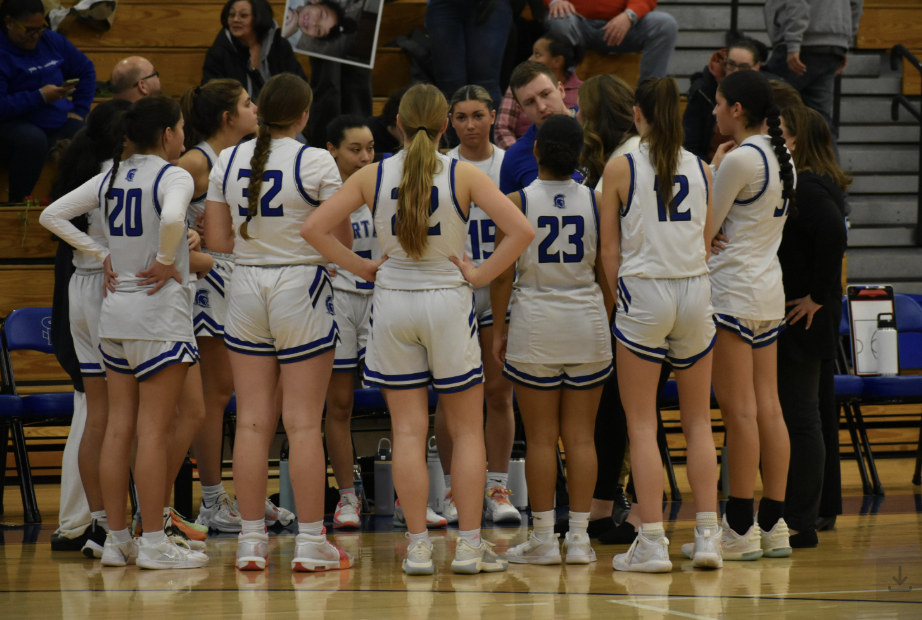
(673,214)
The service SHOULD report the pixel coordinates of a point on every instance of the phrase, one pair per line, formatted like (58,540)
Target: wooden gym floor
(870,566)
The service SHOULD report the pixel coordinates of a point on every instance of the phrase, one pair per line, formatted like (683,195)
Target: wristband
(631,15)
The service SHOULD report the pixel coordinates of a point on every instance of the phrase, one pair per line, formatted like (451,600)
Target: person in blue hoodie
(39,101)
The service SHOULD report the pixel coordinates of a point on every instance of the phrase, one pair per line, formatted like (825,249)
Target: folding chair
(26,329)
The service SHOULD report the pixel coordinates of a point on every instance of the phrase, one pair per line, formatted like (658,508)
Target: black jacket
(228,58)
(811,251)
(698,120)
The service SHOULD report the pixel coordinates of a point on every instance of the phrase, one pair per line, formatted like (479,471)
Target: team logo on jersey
(329,304)
(559,201)
(201,298)
(46,329)
(130,175)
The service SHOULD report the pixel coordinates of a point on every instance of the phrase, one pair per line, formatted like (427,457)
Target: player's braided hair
(282,101)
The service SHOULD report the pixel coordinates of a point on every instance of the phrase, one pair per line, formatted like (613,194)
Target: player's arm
(58,215)
(600,276)
(615,189)
(219,227)
(500,294)
(709,217)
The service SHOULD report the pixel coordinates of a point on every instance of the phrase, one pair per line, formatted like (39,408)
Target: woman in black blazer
(811,254)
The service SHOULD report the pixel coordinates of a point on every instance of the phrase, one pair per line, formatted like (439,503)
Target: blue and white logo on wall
(46,329)
(559,201)
(201,298)
(329,304)
(130,175)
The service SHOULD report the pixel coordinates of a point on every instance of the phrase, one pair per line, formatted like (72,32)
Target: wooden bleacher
(886,23)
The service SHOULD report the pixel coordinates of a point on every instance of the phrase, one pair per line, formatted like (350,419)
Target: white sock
(544,524)
(653,531)
(349,491)
(210,495)
(314,529)
(423,536)
(472,536)
(447,482)
(121,536)
(100,517)
(706,520)
(257,526)
(154,538)
(579,522)
(497,479)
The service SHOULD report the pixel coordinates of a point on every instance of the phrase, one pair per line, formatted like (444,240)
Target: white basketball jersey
(296,179)
(447,230)
(365,244)
(95,230)
(558,314)
(197,206)
(746,276)
(481,231)
(658,240)
(131,221)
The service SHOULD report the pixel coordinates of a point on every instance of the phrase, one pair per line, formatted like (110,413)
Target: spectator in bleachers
(811,262)
(541,95)
(250,47)
(701,134)
(46,88)
(811,41)
(134,78)
(387,133)
(468,40)
(618,27)
(556,52)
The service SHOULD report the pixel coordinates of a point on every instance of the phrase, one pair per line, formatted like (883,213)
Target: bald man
(134,78)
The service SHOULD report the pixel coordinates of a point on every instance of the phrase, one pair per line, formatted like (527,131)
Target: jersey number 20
(130,203)
(673,214)
(265,208)
(576,239)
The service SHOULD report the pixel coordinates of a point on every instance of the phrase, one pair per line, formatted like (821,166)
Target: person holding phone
(47,88)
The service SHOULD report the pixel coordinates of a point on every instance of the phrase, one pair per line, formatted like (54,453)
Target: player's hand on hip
(369,270)
(466,265)
(719,243)
(195,241)
(111,280)
(159,274)
(499,344)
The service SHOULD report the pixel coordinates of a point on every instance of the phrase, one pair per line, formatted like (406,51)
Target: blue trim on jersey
(451,185)
(205,326)
(595,211)
(301,190)
(311,349)
(374,206)
(321,279)
(688,362)
(768,337)
(523,378)
(452,383)
(248,348)
(230,163)
(92,370)
(588,382)
(215,280)
(115,363)
(630,192)
(460,388)
(707,190)
(397,382)
(647,353)
(180,353)
(730,323)
(625,295)
(100,193)
(764,187)
(157,184)
(346,365)
(524,202)
(202,151)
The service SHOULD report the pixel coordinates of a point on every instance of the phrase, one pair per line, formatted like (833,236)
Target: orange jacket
(607,9)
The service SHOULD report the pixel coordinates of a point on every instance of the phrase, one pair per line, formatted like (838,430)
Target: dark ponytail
(203,108)
(559,143)
(753,92)
(658,100)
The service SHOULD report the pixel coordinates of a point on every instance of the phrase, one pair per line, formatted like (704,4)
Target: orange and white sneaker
(252,551)
(278,515)
(451,511)
(348,513)
(497,507)
(316,553)
(193,531)
(433,520)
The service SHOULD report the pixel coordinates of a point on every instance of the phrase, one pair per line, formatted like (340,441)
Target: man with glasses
(134,78)
(46,89)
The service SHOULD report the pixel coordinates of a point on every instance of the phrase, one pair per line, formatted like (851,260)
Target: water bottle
(884,345)
(384,480)
(286,494)
(436,477)
(517,484)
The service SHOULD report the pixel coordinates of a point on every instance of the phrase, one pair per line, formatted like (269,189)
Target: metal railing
(896,54)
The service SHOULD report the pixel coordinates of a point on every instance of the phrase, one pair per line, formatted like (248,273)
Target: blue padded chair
(26,329)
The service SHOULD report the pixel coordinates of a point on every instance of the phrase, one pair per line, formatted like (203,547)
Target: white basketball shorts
(86,294)
(353,316)
(145,358)
(665,318)
(482,308)
(418,337)
(285,311)
(555,376)
(757,333)
(210,310)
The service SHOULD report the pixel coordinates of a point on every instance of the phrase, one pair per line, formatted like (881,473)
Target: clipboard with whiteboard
(865,304)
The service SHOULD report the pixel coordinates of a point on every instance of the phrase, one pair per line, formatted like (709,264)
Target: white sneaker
(776,543)
(222,516)
(419,558)
(451,511)
(316,553)
(705,552)
(119,554)
(470,560)
(432,519)
(252,551)
(645,556)
(536,551)
(180,539)
(498,508)
(168,555)
(277,514)
(734,547)
(347,515)
(578,549)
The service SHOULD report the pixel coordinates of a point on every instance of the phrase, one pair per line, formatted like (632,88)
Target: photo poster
(343,31)
(864,304)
